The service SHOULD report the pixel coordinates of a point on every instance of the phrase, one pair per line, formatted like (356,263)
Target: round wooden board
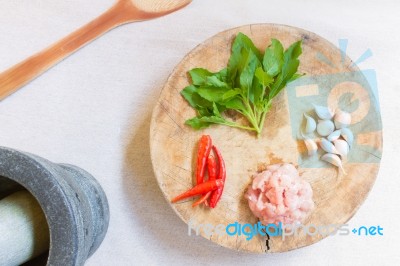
(337,196)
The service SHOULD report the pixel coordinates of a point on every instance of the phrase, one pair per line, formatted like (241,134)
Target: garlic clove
(327,146)
(311,125)
(311,146)
(333,159)
(342,147)
(342,119)
(323,112)
(334,135)
(347,135)
(325,127)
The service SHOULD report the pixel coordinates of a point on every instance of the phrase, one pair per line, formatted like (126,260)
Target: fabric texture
(93,110)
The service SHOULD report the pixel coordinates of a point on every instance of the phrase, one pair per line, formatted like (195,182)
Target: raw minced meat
(279,194)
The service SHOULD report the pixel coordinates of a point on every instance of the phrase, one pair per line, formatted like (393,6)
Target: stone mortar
(73,202)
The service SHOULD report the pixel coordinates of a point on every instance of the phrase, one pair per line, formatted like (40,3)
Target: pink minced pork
(279,194)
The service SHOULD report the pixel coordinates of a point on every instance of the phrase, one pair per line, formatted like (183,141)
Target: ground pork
(279,194)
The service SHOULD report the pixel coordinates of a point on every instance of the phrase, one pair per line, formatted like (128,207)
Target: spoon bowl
(158,7)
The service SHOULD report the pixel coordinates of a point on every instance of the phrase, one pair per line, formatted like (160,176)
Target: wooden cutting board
(331,79)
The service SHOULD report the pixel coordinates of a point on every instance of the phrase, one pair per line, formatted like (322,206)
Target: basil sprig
(246,86)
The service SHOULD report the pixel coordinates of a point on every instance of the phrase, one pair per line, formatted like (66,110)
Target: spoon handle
(23,72)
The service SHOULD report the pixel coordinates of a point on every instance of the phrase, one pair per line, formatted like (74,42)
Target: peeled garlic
(334,135)
(342,119)
(328,146)
(347,135)
(342,147)
(333,159)
(311,146)
(325,127)
(311,125)
(323,112)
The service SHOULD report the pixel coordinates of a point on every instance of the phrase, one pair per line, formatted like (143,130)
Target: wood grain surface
(337,196)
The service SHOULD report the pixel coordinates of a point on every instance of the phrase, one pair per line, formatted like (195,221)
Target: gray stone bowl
(74,204)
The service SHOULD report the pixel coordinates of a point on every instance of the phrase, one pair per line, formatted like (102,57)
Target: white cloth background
(93,110)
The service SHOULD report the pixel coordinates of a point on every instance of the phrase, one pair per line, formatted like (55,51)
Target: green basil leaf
(221,107)
(188,93)
(199,76)
(235,66)
(242,41)
(273,58)
(231,93)
(263,77)
(289,68)
(197,123)
(215,110)
(222,75)
(213,81)
(205,121)
(194,99)
(211,94)
(205,111)
(212,119)
(235,104)
(295,76)
(241,46)
(258,92)
(247,75)
(294,50)
(283,78)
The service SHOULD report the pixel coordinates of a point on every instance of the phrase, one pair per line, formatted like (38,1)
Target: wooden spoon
(123,11)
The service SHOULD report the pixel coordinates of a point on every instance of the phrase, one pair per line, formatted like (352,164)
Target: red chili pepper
(212,167)
(212,175)
(202,199)
(216,195)
(202,155)
(199,189)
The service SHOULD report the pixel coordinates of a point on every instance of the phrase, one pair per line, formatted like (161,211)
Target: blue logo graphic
(354,92)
